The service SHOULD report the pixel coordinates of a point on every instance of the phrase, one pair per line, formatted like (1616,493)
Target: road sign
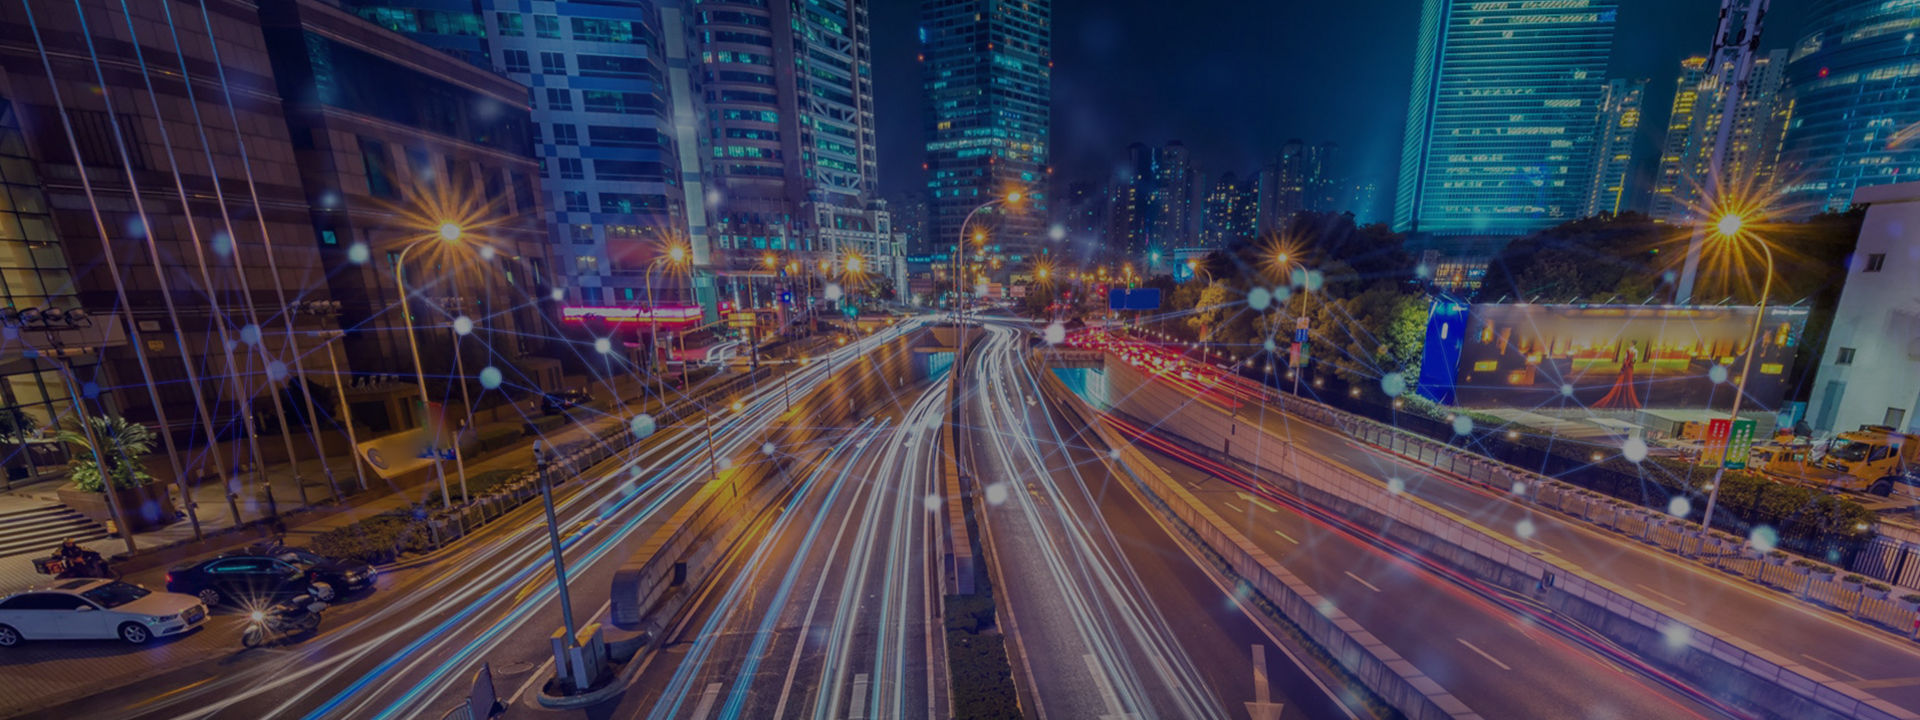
(1739,443)
(744,319)
(1300,335)
(1133,299)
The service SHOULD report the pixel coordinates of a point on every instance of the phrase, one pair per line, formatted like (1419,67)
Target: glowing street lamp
(450,233)
(1729,231)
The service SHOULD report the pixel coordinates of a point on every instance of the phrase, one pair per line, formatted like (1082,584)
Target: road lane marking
(1262,707)
(1886,683)
(1833,667)
(1105,686)
(1358,579)
(1643,586)
(1483,653)
(1233,507)
(1256,501)
(857,709)
(1288,537)
(707,700)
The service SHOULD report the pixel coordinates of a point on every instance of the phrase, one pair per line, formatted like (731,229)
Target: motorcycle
(88,565)
(298,615)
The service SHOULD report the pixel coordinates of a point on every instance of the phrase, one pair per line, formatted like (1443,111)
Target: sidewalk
(175,543)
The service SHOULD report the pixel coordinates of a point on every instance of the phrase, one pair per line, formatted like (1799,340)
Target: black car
(343,575)
(559,402)
(247,580)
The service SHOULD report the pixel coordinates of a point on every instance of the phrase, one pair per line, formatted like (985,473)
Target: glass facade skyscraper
(987,67)
(1613,153)
(1854,85)
(1501,119)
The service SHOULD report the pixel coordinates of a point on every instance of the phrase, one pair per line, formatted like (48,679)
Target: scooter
(89,565)
(298,615)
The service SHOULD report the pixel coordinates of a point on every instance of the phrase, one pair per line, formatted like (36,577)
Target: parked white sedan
(88,608)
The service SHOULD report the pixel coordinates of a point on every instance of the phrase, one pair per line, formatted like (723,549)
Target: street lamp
(676,256)
(1729,229)
(960,298)
(450,233)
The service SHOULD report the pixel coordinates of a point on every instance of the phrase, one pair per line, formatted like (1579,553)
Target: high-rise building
(987,67)
(1232,207)
(1363,200)
(602,111)
(1500,124)
(788,137)
(1693,128)
(1853,106)
(1171,198)
(1613,154)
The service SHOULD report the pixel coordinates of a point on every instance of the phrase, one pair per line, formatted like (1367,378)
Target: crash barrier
(1371,662)
(1760,681)
(481,702)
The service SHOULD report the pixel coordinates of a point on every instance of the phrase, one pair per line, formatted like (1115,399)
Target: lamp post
(677,255)
(449,233)
(1728,229)
(540,460)
(961,299)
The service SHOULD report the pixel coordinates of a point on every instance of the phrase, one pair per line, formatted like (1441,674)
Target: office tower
(1753,140)
(1854,109)
(1130,227)
(597,78)
(1500,124)
(789,136)
(1083,212)
(987,69)
(1170,198)
(1613,154)
(1231,208)
(1363,200)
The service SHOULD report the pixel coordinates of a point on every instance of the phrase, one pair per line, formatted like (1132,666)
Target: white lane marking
(707,699)
(1288,537)
(1358,579)
(857,709)
(1262,707)
(1257,501)
(1233,507)
(1833,667)
(1643,586)
(1106,686)
(1483,653)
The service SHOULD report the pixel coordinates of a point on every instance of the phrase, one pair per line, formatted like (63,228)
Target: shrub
(377,539)
(1910,597)
(1879,586)
(123,444)
(1853,578)
(1801,562)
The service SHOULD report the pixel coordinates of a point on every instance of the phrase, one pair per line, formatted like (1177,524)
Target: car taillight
(169,578)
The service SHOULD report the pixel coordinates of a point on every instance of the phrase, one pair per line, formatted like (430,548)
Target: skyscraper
(987,73)
(1231,207)
(1753,141)
(1501,118)
(1854,109)
(1171,197)
(1613,153)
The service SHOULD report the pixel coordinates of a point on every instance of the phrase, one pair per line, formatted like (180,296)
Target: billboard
(1133,299)
(1617,357)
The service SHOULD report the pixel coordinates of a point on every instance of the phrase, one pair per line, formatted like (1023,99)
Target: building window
(566,135)
(590,295)
(572,169)
(1844,357)
(546,26)
(582,234)
(559,99)
(393,259)
(586,264)
(613,31)
(516,60)
(553,63)
(373,157)
(577,202)
(1876,262)
(511,24)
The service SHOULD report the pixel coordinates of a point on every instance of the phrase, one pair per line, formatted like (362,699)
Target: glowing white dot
(1259,298)
(1315,279)
(1057,232)
(1325,606)
(490,377)
(726,463)
(558,294)
(1421,270)
(1676,636)
(981,289)
(222,243)
(1634,449)
(642,426)
(1394,384)
(1113,454)
(1566,389)
(833,291)
(277,370)
(934,503)
(1396,485)
(1519,487)
(358,253)
(767,448)
(250,334)
(1282,293)
(1056,333)
(1524,528)
(1718,374)
(1679,506)
(1462,425)
(602,345)
(487,252)
(1763,538)
(462,325)
(996,493)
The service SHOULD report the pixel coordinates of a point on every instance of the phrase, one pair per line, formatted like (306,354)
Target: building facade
(1851,80)
(1753,143)
(1870,373)
(1500,122)
(1232,208)
(1613,154)
(987,69)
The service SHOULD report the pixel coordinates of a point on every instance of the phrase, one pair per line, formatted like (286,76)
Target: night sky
(1235,80)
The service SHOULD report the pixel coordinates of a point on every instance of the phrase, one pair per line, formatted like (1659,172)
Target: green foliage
(123,444)
(478,484)
(377,539)
(981,678)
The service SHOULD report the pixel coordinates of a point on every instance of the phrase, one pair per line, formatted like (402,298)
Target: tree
(124,443)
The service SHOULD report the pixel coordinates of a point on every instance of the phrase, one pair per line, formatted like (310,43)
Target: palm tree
(125,443)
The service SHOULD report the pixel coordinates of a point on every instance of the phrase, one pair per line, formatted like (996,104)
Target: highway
(407,650)
(1107,617)
(828,609)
